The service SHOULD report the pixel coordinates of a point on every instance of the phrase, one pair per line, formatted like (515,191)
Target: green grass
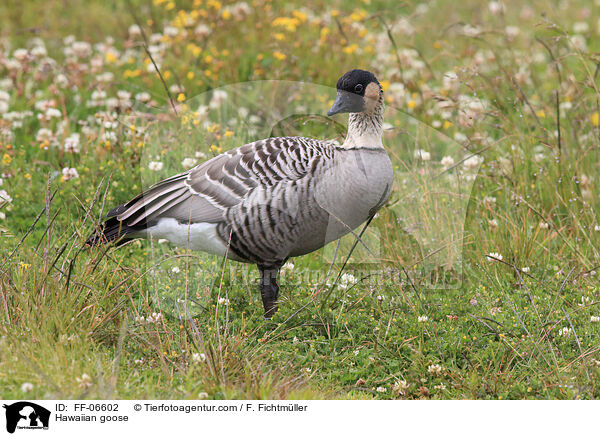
(71,316)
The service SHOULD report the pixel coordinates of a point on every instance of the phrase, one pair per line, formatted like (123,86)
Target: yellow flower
(358,15)
(6,159)
(595,119)
(289,23)
(279,36)
(228,133)
(226,14)
(385,84)
(194,49)
(190,75)
(541,114)
(216,5)
(279,56)
(299,15)
(181,97)
(412,104)
(350,49)
(110,57)
(27,176)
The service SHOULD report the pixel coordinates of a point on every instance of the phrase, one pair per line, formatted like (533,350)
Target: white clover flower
(597,228)
(203,395)
(200,155)
(175,270)
(155,317)
(422,155)
(150,68)
(472,162)
(447,162)
(496,7)
(52,112)
(565,331)
(512,32)
(380,298)
(219,96)
(2,216)
(198,357)
(202,30)
(61,80)
(144,97)
(21,54)
(134,30)
(72,143)
(493,255)
(525,269)
(243,112)
(381,389)
(581,27)
(435,369)
(579,42)
(400,387)
(544,225)
(155,166)
(85,381)
(224,301)
(4,197)
(82,49)
(188,162)
(440,387)
(240,10)
(123,95)
(171,31)
(450,81)
(423,318)
(489,201)
(39,51)
(69,173)
(3,107)
(460,137)
(26,387)
(288,266)
(594,318)
(347,280)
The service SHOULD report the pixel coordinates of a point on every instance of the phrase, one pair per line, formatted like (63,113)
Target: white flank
(197,236)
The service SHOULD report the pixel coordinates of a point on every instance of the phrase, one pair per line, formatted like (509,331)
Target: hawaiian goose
(271,199)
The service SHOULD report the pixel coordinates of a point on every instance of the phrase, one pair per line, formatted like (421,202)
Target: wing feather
(206,192)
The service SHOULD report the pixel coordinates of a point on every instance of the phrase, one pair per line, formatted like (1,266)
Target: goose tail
(112,230)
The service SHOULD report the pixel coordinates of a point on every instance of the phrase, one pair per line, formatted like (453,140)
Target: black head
(354,90)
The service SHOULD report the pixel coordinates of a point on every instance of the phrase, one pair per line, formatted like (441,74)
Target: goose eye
(358,88)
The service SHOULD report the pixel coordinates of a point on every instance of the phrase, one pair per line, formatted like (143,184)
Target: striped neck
(365,128)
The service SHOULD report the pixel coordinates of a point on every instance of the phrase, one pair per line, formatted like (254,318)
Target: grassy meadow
(483,283)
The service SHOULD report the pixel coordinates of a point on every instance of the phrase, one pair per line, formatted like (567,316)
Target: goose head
(358,91)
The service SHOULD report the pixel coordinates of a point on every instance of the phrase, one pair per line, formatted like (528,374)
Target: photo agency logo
(416,237)
(25,415)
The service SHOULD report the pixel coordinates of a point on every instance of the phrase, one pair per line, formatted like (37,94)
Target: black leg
(269,290)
